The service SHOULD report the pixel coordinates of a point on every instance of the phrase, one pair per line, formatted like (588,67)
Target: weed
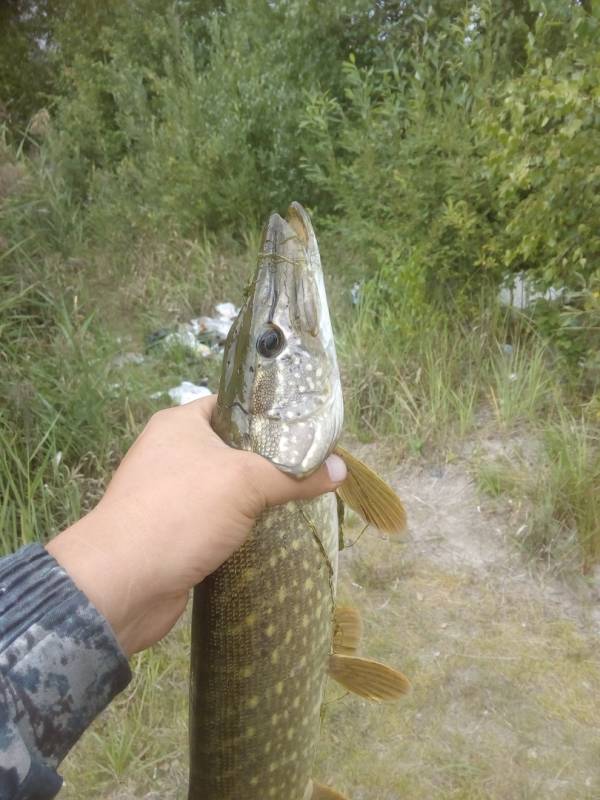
(558,490)
(572,449)
(496,477)
(427,383)
(520,384)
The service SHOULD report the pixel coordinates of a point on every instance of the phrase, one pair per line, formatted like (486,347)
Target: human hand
(178,506)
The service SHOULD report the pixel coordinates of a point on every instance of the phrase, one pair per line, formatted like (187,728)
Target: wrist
(110,560)
(96,561)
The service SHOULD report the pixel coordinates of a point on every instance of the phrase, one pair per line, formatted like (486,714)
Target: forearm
(60,665)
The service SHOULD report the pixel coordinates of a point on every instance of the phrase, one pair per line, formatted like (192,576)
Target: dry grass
(506,679)
(504,702)
(556,483)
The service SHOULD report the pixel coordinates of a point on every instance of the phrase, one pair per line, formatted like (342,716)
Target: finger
(201,412)
(280,488)
(204,407)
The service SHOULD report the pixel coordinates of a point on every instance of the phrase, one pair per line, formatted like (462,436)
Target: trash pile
(186,392)
(216,327)
(519,291)
(203,336)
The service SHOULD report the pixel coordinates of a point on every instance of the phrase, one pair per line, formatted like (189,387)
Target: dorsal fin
(347,630)
(368,678)
(367,494)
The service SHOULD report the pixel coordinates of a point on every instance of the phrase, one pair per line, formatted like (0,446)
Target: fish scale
(262,635)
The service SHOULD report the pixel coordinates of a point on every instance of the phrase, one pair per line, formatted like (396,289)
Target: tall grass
(418,384)
(428,382)
(574,447)
(61,424)
(68,409)
(521,383)
(557,488)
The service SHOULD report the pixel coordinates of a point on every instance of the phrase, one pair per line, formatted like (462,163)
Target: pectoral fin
(367,494)
(347,630)
(321,792)
(368,678)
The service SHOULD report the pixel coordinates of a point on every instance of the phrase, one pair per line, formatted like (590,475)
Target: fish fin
(367,494)
(347,630)
(320,792)
(368,678)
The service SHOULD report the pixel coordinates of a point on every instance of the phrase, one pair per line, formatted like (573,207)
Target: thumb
(279,488)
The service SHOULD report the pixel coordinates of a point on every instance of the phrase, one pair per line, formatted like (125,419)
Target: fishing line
(348,546)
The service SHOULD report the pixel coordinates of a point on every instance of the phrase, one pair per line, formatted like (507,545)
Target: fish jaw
(280,393)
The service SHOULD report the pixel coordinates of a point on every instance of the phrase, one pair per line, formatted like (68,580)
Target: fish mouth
(297,225)
(290,275)
(280,241)
(278,416)
(286,276)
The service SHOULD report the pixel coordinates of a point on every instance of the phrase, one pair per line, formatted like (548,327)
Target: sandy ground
(503,656)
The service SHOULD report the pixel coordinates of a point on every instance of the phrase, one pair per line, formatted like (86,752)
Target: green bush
(542,145)
(447,145)
(173,125)
(399,161)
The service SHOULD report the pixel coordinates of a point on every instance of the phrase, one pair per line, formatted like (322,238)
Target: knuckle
(250,476)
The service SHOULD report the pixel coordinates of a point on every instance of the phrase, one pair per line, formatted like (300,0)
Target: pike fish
(266,632)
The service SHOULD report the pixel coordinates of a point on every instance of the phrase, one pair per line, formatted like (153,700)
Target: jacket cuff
(58,654)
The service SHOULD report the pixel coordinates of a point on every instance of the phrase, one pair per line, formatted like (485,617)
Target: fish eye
(271,342)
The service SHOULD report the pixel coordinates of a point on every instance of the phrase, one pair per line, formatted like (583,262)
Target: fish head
(280,392)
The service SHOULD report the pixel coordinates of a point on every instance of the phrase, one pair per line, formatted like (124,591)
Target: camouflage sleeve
(60,665)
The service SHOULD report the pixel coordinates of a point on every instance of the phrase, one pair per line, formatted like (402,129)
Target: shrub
(542,144)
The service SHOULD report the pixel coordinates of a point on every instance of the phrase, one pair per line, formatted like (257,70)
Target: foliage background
(442,147)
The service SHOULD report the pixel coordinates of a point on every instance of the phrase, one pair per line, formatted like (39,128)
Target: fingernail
(336,468)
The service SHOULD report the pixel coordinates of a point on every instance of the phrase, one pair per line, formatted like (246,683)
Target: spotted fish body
(263,624)
(264,630)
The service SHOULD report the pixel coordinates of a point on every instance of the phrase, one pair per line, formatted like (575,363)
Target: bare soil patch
(503,656)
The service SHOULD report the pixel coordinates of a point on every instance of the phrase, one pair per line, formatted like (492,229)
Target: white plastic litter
(227,310)
(519,292)
(205,337)
(216,328)
(186,392)
(187,337)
